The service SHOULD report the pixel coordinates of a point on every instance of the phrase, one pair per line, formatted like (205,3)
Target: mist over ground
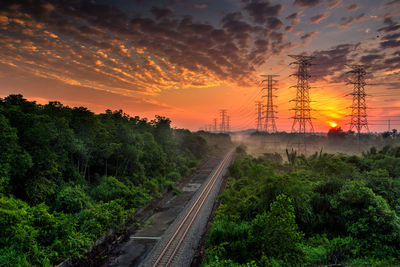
(259,143)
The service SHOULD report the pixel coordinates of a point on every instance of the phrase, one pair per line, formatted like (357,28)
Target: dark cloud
(388,21)
(288,28)
(390,28)
(394,2)
(393,60)
(274,23)
(394,36)
(328,62)
(352,7)
(260,11)
(346,21)
(101,46)
(380,59)
(295,18)
(390,44)
(317,18)
(104,46)
(391,25)
(370,58)
(261,46)
(306,37)
(239,29)
(277,36)
(160,13)
(307,3)
(333,3)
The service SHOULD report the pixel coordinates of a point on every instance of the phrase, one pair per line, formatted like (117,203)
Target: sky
(188,59)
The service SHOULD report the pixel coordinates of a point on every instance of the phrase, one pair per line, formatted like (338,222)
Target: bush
(227,238)
(110,188)
(173,176)
(275,233)
(71,199)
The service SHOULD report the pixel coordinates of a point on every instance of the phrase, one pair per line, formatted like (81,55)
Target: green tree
(276,234)
(368,218)
(71,199)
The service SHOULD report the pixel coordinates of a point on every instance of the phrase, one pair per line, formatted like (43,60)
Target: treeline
(335,141)
(67,175)
(309,211)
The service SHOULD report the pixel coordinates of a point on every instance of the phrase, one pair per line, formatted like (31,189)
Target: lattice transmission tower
(259,112)
(358,119)
(269,113)
(222,126)
(302,111)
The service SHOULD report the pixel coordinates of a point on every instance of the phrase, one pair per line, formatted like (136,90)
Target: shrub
(71,199)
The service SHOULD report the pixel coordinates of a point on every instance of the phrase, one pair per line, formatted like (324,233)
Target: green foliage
(230,238)
(291,156)
(13,160)
(174,176)
(275,233)
(320,250)
(68,175)
(368,218)
(324,209)
(71,199)
(111,189)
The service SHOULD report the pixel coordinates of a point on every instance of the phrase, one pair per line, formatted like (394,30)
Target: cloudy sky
(188,59)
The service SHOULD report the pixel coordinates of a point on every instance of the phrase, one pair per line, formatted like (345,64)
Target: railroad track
(171,249)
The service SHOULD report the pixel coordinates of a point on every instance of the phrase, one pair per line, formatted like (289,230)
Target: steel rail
(193,212)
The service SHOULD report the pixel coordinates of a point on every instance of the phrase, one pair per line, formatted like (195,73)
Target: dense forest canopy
(67,174)
(309,211)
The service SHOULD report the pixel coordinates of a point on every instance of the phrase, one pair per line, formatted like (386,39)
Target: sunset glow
(186,60)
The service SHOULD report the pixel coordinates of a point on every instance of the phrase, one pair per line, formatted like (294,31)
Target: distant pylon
(259,115)
(215,125)
(269,118)
(222,126)
(358,107)
(302,111)
(228,123)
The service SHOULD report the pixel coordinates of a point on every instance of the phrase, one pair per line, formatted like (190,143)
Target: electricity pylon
(359,107)
(302,111)
(269,118)
(259,115)
(228,122)
(222,126)
(215,125)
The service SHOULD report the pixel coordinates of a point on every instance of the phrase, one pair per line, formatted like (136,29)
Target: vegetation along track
(167,256)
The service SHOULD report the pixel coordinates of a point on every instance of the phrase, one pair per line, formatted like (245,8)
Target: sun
(333,124)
